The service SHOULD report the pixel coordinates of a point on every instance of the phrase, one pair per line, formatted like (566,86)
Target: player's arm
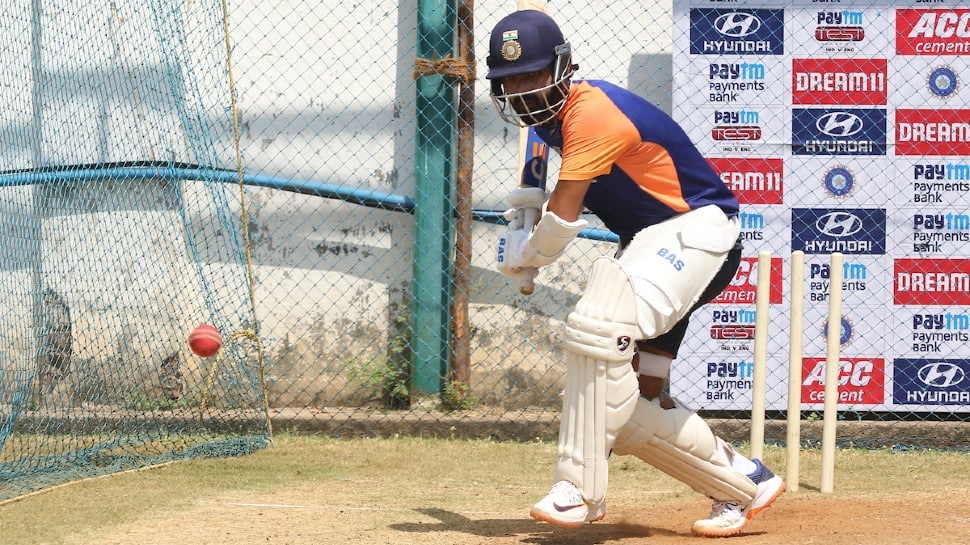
(566,200)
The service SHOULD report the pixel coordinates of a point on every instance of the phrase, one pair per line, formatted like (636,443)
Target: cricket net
(120,231)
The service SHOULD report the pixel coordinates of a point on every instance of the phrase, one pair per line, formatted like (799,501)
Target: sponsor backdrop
(843,127)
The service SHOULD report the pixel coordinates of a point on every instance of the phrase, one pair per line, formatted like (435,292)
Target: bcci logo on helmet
(511,48)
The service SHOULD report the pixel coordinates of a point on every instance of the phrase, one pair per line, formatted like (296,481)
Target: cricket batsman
(629,163)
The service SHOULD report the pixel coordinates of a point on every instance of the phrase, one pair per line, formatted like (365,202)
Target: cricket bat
(533,162)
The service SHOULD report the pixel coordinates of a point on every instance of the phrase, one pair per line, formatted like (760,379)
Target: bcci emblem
(839,182)
(511,50)
(943,82)
(845,335)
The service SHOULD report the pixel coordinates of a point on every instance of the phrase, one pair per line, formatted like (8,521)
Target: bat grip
(527,285)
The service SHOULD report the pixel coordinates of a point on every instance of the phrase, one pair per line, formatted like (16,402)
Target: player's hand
(516,218)
(527,197)
(527,205)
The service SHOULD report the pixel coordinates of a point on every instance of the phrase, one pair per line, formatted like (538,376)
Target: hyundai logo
(737,25)
(839,224)
(839,124)
(941,374)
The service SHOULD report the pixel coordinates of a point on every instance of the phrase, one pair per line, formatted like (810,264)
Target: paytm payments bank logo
(837,131)
(737,32)
(849,231)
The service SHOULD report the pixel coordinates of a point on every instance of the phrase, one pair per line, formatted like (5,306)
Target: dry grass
(305,490)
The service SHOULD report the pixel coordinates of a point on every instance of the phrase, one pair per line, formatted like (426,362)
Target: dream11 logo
(859,82)
(932,132)
(754,180)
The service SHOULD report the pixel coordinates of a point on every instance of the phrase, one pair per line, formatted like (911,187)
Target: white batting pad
(672,263)
(679,443)
(601,387)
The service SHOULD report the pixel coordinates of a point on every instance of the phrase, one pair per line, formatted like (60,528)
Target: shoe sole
(755,510)
(545,517)
(728,532)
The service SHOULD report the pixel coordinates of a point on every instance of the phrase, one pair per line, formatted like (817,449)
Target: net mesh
(120,234)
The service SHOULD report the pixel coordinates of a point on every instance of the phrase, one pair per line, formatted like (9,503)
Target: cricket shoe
(728,518)
(564,506)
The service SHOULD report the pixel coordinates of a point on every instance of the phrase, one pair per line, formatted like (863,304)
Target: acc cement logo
(943,82)
(839,182)
(737,25)
(941,374)
(839,124)
(839,224)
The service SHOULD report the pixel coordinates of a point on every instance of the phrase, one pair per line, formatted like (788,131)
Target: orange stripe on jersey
(597,135)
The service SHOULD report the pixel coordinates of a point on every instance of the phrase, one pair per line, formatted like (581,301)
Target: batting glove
(510,260)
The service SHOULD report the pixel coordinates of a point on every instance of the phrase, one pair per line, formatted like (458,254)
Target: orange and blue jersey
(645,168)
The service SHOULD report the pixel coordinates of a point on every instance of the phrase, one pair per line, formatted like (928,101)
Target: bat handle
(527,285)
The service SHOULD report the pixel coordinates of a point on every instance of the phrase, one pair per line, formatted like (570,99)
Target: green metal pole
(433,218)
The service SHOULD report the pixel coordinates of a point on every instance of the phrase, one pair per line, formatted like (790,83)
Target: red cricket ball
(205,340)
